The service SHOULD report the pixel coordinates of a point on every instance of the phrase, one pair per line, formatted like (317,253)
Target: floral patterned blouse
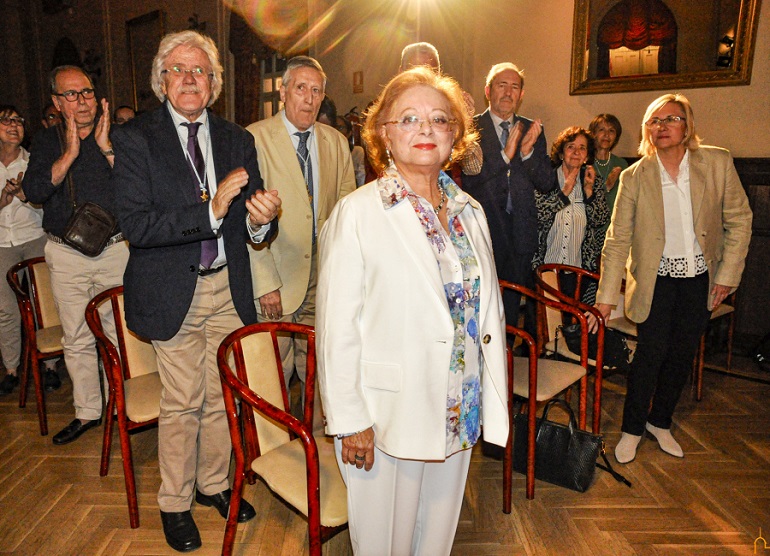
(460,274)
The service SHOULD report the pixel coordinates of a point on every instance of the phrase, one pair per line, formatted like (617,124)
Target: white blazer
(384,333)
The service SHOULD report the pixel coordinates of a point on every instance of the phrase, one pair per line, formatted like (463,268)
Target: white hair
(192,39)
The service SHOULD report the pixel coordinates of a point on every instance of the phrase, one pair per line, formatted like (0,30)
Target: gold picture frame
(584,46)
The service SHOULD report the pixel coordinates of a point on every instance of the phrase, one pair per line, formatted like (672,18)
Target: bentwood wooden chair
(725,310)
(542,380)
(134,386)
(40,323)
(280,449)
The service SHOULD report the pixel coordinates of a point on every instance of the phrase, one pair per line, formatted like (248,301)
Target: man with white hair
(189,198)
(310,164)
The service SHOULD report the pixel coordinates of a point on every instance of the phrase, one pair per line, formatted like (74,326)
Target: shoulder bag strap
(70,183)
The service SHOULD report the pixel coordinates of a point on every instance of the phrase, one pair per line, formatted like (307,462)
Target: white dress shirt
(204,142)
(682,254)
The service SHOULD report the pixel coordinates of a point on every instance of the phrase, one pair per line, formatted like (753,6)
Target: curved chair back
(135,388)
(41,325)
(543,380)
(281,449)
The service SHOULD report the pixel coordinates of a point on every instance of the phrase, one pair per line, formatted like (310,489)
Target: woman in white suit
(410,326)
(681,228)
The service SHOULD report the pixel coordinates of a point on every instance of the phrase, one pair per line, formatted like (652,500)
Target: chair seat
(284,471)
(49,339)
(722,310)
(142,397)
(622,324)
(552,377)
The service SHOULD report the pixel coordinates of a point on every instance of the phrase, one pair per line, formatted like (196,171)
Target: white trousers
(404,507)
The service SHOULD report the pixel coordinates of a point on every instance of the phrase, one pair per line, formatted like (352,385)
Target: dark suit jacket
(164,221)
(516,233)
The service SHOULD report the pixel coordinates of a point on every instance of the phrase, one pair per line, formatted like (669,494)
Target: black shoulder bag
(91,226)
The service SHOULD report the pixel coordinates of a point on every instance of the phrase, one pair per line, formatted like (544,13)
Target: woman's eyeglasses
(667,121)
(12,120)
(412,124)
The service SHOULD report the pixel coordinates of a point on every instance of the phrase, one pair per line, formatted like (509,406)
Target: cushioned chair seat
(622,324)
(284,470)
(142,397)
(552,377)
(49,339)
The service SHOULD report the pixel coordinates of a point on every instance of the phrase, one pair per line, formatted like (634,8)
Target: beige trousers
(404,507)
(75,280)
(193,435)
(293,349)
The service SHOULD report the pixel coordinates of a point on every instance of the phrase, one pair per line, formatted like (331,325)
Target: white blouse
(682,255)
(19,222)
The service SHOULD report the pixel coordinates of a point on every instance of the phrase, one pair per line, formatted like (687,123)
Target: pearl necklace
(605,163)
(438,208)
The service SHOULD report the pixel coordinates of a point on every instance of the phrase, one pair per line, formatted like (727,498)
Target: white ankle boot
(625,451)
(665,440)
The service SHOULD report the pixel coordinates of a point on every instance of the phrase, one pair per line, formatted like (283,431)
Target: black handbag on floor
(564,455)
(616,352)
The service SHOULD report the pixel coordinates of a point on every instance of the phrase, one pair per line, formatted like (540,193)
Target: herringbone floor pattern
(712,502)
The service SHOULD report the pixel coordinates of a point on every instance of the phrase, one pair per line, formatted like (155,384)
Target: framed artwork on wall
(144,34)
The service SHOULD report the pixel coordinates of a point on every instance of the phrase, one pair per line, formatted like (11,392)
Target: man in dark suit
(515,164)
(189,197)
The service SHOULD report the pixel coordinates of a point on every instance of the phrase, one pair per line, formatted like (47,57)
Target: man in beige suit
(309,164)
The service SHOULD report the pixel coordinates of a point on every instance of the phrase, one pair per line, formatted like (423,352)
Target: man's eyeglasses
(667,121)
(178,71)
(12,120)
(411,124)
(72,96)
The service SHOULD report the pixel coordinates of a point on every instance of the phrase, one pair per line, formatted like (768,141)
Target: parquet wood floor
(712,502)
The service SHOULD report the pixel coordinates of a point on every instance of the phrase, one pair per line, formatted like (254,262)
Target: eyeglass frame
(88,93)
(177,71)
(16,120)
(402,122)
(667,121)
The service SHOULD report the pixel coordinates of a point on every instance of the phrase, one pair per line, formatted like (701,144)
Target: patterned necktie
(303,155)
(504,140)
(209,247)
(506,132)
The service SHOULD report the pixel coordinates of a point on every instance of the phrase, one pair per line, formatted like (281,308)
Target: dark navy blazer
(164,221)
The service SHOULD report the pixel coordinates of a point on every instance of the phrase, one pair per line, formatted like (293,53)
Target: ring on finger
(359,458)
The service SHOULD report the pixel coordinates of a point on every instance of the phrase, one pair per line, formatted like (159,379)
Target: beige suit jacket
(285,263)
(636,237)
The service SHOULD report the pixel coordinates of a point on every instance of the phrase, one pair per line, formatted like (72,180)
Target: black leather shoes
(180,531)
(221,502)
(72,432)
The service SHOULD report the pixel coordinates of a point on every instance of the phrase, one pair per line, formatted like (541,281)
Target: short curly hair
(377,114)
(568,136)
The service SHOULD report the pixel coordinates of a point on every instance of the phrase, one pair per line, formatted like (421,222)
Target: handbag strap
(573,425)
(70,183)
(618,477)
